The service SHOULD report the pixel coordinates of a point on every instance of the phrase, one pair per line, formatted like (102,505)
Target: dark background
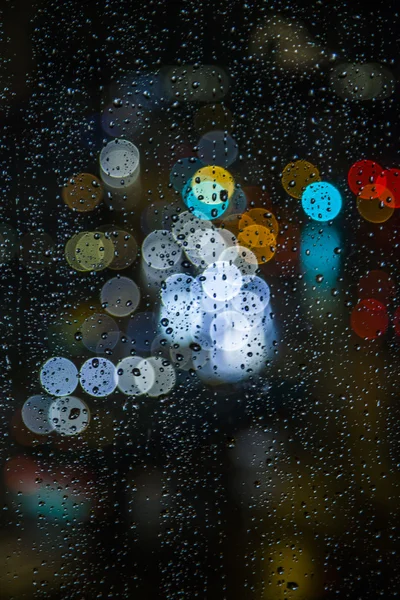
(204,493)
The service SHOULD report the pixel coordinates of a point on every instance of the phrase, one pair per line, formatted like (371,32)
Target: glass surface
(200,317)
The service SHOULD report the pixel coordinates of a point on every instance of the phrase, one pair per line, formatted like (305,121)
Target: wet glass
(200,318)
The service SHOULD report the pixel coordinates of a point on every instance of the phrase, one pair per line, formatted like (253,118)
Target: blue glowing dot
(321,201)
(206,200)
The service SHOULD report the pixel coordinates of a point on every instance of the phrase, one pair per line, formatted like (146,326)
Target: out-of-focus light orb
(125,247)
(260,216)
(94,251)
(253,296)
(362,176)
(176,293)
(99,333)
(35,414)
(119,163)
(237,203)
(217,148)
(164,377)
(160,250)
(215,174)
(83,192)
(369,319)
(209,245)
(59,376)
(98,377)
(243,258)
(320,252)
(361,82)
(286,42)
(374,210)
(297,176)
(69,415)
(186,226)
(183,171)
(69,252)
(181,357)
(201,302)
(136,375)
(221,281)
(206,199)
(389,180)
(378,285)
(213,117)
(321,201)
(120,296)
(260,240)
(229,330)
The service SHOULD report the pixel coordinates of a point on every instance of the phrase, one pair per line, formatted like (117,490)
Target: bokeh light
(83,192)
(321,201)
(369,319)
(297,176)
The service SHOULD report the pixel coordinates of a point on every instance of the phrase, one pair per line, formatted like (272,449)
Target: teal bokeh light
(321,201)
(206,200)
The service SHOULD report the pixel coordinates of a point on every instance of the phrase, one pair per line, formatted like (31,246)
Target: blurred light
(175,293)
(217,148)
(253,296)
(321,201)
(160,250)
(120,296)
(119,163)
(260,241)
(364,173)
(125,247)
(297,176)
(320,252)
(215,174)
(260,216)
(94,251)
(206,199)
(99,333)
(35,414)
(243,258)
(136,375)
(221,281)
(83,192)
(69,415)
(361,82)
(183,171)
(98,377)
(164,377)
(369,319)
(389,182)
(374,210)
(209,245)
(229,330)
(59,376)
(185,229)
